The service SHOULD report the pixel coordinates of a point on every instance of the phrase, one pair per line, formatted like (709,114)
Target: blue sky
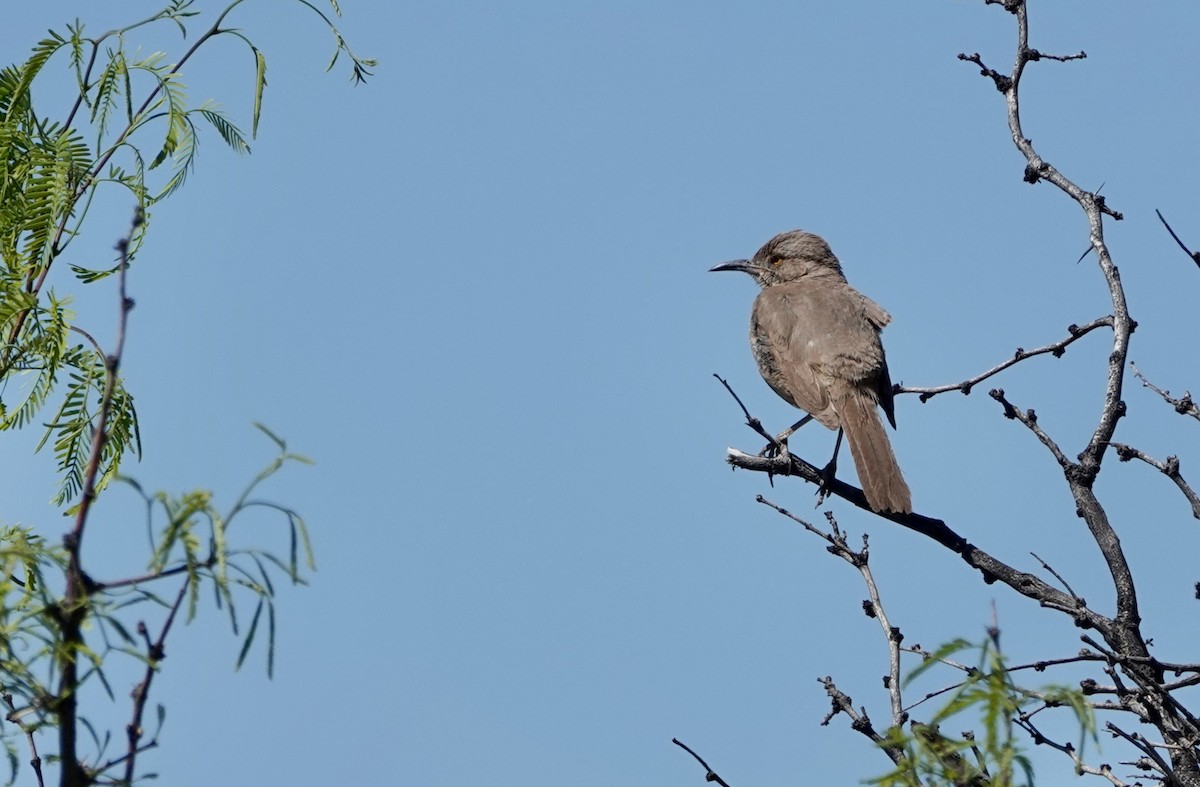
(475,291)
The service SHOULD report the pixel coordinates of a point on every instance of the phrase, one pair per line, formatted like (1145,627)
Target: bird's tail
(882,482)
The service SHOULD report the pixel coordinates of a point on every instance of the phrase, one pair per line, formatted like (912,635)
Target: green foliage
(189,543)
(132,126)
(991,698)
(27,642)
(193,540)
(49,176)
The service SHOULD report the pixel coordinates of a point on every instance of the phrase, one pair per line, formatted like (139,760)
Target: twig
(1184,406)
(155,653)
(1057,349)
(873,607)
(1081,476)
(788,464)
(112,363)
(150,576)
(1042,664)
(74,607)
(1169,468)
(859,720)
(1195,255)
(91,340)
(710,775)
(35,760)
(1142,744)
(994,569)
(1058,576)
(1029,419)
(56,246)
(1039,738)
(751,421)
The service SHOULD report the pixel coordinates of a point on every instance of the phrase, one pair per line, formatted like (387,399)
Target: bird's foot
(828,475)
(778,447)
(775,449)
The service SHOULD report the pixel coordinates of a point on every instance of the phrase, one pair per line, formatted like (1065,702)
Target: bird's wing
(875,313)
(782,330)
(826,336)
(879,317)
(836,330)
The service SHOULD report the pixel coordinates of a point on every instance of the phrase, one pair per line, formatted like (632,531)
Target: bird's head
(789,256)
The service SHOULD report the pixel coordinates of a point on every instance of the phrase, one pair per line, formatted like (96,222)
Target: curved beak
(732,265)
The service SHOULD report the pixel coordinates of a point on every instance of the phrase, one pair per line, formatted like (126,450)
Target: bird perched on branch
(816,341)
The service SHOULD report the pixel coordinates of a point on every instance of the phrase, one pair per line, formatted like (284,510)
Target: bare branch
(155,653)
(1195,255)
(35,760)
(993,569)
(789,464)
(859,720)
(1057,349)
(1029,419)
(1184,406)
(1002,82)
(873,607)
(1039,738)
(751,421)
(1033,54)
(1059,577)
(710,775)
(1169,468)
(1142,744)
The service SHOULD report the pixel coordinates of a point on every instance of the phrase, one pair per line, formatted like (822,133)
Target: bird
(817,343)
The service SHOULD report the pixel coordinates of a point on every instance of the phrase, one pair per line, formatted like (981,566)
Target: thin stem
(74,606)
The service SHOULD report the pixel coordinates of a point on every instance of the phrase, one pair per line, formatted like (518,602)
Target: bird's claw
(828,475)
(778,447)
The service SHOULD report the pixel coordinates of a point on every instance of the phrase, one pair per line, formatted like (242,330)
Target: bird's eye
(776,259)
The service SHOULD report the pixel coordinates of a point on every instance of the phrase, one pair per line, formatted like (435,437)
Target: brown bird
(816,340)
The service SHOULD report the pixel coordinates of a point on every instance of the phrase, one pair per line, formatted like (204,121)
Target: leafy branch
(54,644)
(50,176)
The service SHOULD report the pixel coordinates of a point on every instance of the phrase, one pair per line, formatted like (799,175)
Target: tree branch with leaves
(61,627)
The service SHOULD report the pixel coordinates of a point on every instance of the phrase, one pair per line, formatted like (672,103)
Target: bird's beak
(733,265)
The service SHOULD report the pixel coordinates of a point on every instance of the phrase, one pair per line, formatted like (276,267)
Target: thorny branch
(1122,633)
(1138,677)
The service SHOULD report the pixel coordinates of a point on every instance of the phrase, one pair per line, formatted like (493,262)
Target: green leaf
(41,53)
(229,132)
(175,96)
(260,84)
(249,640)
